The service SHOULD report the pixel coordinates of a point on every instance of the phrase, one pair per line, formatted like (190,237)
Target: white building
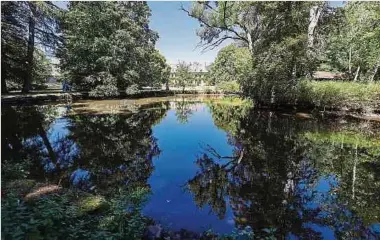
(199,69)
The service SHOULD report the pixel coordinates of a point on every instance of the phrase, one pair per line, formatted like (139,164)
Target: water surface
(211,163)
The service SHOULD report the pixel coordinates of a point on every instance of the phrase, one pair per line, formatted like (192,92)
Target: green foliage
(231,64)
(353,40)
(13,54)
(133,89)
(126,214)
(66,216)
(42,67)
(339,94)
(111,37)
(184,76)
(228,87)
(226,112)
(91,204)
(157,71)
(277,43)
(104,85)
(23,24)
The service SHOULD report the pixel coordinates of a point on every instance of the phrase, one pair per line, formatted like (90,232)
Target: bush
(101,84)
(339,94)
(75,215)
(133,89)
(104,91)
(228,87)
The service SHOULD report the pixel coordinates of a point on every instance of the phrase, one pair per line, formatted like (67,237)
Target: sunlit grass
(339,94)
(231,101)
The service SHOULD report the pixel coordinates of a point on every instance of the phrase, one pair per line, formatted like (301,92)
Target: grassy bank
(340,95)
(329,95)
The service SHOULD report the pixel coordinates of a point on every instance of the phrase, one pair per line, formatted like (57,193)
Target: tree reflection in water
(297,178)
(97,151)
(183,110)
(275,182)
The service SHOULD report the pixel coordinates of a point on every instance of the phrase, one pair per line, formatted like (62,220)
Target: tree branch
(223,28)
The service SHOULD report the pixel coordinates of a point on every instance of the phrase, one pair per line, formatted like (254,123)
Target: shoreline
(46,97)
(303,109)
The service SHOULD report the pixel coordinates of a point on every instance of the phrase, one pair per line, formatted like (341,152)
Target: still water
(211,163)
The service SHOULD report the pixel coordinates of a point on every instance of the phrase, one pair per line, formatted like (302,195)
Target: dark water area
(210,163)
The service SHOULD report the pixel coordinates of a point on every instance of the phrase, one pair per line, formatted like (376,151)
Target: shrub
(104,91)
(133,89)
(75,215)
(92,204)
(101,84)
(339,94)
(228,87)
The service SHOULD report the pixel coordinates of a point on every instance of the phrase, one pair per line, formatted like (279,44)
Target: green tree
(157,70)
(13,42)
(276,34)
(184,76)
(354,40)
(231,64)
(42,67)
(26,25)
(43,24)
(109,45)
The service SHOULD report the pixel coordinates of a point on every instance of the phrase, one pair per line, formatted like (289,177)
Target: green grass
(231,101)
(228,87)
(339,94)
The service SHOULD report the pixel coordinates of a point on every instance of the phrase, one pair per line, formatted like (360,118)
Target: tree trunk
(250,45)
(315,13)
(357,74)
(272,95)
(4,88)
(32,23)
(167,85)
(375,72)
(183,89)
(47,144)
(294,72)
(349,61)
(269,126)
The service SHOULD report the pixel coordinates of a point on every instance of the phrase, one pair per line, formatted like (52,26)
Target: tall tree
(108,39)
(184,76)
(26,25)
(13,42)
(157,71)
(43,24)
(274,32)
(353,42)
(231,64)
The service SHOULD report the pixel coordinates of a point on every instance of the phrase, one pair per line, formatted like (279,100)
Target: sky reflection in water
(217,164)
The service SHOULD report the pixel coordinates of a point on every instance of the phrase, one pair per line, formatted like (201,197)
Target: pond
(210,162)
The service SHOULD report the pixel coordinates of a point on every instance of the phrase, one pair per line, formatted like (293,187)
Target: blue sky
(178,39)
